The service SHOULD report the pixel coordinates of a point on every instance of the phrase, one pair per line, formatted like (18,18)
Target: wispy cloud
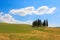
(7,18)
(23,11)
(51,10)
(41,10)
(31,10)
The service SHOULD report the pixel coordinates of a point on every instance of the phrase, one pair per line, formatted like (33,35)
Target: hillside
(26,32)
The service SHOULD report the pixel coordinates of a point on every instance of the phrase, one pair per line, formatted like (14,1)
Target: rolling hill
(27,32)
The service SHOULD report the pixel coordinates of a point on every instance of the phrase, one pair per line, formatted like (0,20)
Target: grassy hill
(15,28)
(26,32)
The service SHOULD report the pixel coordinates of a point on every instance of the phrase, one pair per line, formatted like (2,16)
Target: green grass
(17,28)
(43,29)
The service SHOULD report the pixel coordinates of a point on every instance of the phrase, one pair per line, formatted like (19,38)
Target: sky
(26,11)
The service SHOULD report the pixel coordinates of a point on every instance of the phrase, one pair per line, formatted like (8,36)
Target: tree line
(39,23)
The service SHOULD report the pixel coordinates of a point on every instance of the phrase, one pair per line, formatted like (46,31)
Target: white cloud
(31,10)
(41,10)
(1,13)
(51,10)
(22,11)
(7,18)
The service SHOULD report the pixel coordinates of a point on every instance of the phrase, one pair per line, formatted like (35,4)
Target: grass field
(27,32)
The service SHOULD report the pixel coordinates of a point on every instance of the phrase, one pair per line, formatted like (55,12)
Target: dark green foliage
(35,23)
(38,23)
(45,23)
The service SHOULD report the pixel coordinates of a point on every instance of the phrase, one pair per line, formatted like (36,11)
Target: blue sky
(26,11)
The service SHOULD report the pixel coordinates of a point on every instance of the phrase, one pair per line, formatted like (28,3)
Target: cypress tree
(44,23)
(39,23)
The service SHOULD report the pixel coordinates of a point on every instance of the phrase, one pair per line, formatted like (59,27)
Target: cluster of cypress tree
(39,23)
